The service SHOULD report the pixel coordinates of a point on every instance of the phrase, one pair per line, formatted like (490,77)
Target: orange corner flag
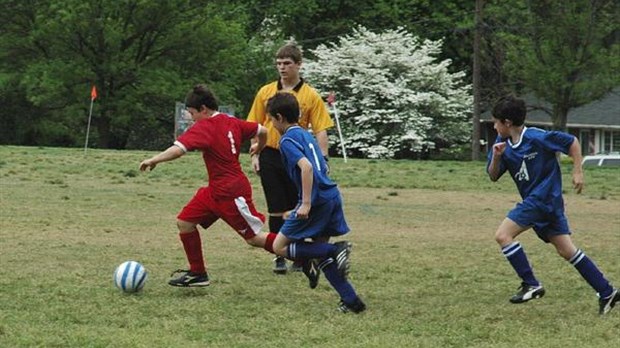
(93,93)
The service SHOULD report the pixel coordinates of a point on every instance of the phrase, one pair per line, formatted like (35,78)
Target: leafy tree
(142,56)
(313,22)
(565,52)
(394,97)
(260,61)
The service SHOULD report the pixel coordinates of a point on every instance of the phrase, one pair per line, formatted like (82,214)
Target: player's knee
(251,242)
(255,242)
(280,251)
(186,226)
(502,238)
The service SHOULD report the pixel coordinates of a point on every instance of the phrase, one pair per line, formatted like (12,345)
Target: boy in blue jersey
(318,214)
(529,155)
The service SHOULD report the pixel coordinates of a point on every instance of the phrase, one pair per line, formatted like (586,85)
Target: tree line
(143,56)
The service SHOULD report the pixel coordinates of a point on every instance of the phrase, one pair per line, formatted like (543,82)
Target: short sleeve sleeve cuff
(179,144)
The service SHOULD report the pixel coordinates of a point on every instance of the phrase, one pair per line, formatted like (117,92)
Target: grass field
(424,260)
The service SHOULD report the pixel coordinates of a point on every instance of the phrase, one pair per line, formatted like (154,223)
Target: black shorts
(280,192)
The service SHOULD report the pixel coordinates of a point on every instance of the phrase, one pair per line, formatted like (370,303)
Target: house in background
(596,125)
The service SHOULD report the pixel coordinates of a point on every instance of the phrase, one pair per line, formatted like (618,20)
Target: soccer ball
(130,276)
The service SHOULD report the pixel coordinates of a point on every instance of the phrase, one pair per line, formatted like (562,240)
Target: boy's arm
(307,178)
(323,140)
(575,153)
(257,145)
(258,141)
(173,152)
(320,121)
(494,166)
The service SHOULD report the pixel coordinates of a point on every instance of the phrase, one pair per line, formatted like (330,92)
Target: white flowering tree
(394,98)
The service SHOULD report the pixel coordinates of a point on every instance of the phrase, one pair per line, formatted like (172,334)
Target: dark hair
(201,95)
(289,50)
(284,104)
(510,108)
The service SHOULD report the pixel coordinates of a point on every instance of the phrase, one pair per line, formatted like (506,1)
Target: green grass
(424,260)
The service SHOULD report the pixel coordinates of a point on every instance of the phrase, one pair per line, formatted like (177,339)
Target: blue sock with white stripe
(306,250)
(517,258)
(340,284)
(588,270)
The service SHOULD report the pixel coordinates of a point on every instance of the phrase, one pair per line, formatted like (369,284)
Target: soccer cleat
(356,307)
(189,279)
(606,304)
(341,255)
(296,266)
(312,272)
(279,265)
(527,292)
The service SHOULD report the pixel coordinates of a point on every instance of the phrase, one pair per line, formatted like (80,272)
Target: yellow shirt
(313,111)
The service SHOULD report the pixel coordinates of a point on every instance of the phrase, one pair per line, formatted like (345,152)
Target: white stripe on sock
(509,250)
(579,255)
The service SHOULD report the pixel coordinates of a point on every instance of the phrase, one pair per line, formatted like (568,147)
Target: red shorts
(238,213)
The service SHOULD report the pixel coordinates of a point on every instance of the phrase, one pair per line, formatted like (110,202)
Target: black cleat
(279,265)
(606,304)
(312,272)
(189,279)
(341,255)
(527,292)
(356,307)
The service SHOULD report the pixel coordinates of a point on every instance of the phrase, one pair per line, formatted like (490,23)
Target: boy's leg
(349,301)
(280,195)
(514,253)
(310,267)
(279,263)
(197,210)
(197,275)
(283,246)
(302,250)
(588,270)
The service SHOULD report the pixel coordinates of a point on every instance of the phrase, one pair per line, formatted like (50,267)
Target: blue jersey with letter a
(533,165)
(297,143)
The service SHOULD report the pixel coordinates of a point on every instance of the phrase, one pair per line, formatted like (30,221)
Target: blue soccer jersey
(297,143)
(533,165)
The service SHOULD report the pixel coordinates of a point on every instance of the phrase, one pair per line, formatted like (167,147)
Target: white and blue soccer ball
(130,276)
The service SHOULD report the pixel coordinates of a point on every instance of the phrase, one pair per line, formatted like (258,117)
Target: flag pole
(93,95)
(331,100)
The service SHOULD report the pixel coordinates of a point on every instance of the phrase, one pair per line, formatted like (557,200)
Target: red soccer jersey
(219,137)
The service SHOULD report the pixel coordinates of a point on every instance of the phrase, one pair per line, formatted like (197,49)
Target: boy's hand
(303,211)
(254,157)
(254,149)
(295,214)
(255,163)
(499,148)
(578,182)
(147,164)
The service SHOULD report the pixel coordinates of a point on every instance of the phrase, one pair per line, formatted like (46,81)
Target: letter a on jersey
(523,174)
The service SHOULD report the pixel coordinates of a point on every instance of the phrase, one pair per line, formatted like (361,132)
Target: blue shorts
(325,220)
(545,224)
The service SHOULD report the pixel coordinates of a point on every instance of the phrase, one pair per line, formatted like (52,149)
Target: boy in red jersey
(229,194)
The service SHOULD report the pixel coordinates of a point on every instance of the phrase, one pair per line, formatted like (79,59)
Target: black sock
(275,223)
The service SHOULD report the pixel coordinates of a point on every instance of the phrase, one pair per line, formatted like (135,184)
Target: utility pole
(475,136)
